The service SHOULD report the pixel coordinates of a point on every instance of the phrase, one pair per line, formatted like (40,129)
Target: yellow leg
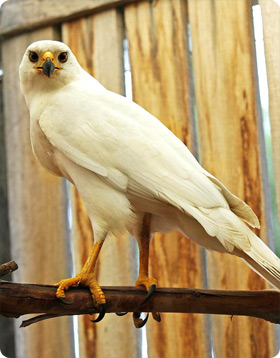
(85,278)
(144,245)
(143,278)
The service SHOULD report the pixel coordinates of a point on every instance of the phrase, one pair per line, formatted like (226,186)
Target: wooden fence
(193,66)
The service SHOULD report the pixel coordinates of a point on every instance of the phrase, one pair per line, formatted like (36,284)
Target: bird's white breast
(43,150)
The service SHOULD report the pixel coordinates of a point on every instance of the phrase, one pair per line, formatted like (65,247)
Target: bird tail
(262,260)
(234,237)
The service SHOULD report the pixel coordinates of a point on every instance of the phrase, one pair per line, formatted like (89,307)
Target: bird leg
(143,278)
(144,244)
(86,278)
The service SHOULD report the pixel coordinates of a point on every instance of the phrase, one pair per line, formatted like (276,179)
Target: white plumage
(125,162)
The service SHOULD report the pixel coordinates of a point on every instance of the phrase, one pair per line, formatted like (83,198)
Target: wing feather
(133,151)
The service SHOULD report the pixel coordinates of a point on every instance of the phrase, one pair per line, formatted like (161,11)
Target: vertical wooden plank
(97,41)
(223,59)
(37,211)
(158,51)
(271,31)
(7,342)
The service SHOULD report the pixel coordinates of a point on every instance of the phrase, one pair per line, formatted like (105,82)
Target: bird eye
(33,56)
(63,56)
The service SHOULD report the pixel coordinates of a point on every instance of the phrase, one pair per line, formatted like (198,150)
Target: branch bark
(7,268)
(20,299)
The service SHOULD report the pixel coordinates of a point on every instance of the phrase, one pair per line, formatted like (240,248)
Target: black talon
(150,293)
(120,314)
(101,314)
(139,322)
(156,316)
(62,300)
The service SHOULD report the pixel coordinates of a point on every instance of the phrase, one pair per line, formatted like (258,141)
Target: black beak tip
(48,67)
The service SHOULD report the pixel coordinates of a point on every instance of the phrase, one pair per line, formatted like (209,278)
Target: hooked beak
(48,67)
(48,64)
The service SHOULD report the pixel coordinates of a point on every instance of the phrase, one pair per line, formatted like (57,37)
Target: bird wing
(132,150)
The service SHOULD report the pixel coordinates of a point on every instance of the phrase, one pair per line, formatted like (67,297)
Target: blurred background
(210,71)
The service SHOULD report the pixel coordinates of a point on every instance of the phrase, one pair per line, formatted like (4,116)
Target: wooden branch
(18,16)
(20,299)
(7,268)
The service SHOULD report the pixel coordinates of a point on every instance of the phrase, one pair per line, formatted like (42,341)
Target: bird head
(47,65)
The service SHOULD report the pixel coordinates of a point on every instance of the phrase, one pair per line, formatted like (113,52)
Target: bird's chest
(43,150)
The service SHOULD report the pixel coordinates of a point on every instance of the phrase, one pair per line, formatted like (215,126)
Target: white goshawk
(130,170)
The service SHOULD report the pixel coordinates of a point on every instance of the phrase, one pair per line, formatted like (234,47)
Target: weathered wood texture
(7,343)
(101,53)
(20,299)
(158,50)
(271,32)
(37,209)
(19,16)
(82,238)
(223,61)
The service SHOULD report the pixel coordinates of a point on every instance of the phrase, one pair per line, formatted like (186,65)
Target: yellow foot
(146,282)
(83,279)
(149,283)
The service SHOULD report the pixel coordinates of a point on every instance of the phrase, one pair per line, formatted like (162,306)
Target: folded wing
(133,151)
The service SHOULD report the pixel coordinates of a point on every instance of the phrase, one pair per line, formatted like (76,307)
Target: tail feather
(222,226)
(262,260)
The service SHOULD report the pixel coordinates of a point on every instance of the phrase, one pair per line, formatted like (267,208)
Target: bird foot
(149,283)
(87,280)
(146,282)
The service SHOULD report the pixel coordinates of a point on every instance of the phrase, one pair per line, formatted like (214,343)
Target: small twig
(7,268)
(39,318)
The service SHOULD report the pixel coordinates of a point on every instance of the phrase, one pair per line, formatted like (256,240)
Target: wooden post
(37,210)
(158,51)
(271,32)
(225,89)
(7,342)
(101,54)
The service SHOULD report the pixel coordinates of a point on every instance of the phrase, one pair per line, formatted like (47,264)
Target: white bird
(131,171)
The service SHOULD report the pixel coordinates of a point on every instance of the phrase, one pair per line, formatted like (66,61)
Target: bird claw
(62,300)
(139,322)
(156,316)
(101,314)
(149,294)
(120,314)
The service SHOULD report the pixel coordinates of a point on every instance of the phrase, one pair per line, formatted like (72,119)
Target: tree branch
(20,299)
(7,268)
